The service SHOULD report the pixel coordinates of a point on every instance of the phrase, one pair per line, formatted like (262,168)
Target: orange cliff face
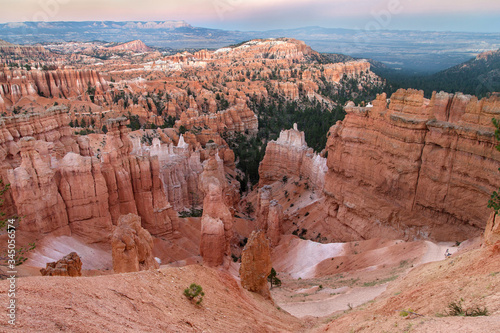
(414,169)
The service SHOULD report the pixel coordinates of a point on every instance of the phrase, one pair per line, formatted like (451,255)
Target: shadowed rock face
(414,169)
(492,230)
(69,265)
(85,195)
(290,156)
(269,215)
(256,264)
(132,246)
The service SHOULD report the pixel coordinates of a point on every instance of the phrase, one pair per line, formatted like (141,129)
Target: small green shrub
(194,293)
(273,279)
(406,313)
(193,212)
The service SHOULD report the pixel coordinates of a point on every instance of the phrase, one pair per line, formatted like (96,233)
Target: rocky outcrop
(492,231)
(238,118)
(70,265)
(179,171)
(217,220)
(213,240)
(134,183)
(334,72)
(414,169)
(275,223)
(269,215)
(290,156)
(256,264)
(132,246)
(280,48)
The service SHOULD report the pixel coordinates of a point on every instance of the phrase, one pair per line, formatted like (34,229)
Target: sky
(442,15)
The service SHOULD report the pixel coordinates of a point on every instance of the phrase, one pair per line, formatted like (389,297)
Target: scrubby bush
(194,293)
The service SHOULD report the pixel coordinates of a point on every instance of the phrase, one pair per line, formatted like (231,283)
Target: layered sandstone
(414,169)
(280,48)
(179,170)
(61,83)
(85,195)
(256,264)
(291,157)
(134,183)
(35,192)
(132,246)
(50,126)
(275,222)
(70,265)
(238,118)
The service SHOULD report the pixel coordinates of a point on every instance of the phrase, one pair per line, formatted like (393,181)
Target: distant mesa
(6,44)
(170,24)
(135,45)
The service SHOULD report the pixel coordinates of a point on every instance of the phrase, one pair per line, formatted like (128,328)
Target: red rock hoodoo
(256,264)
(132,246)
(217,220)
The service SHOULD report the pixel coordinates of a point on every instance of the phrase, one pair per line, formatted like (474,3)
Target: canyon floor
(340,287)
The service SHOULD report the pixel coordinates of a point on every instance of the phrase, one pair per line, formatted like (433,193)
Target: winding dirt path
(320,308)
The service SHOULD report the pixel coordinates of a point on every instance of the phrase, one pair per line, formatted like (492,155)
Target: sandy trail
(436,251)
(354,297)
(301,260)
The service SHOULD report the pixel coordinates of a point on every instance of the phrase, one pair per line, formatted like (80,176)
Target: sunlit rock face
(415,168)
(70,265)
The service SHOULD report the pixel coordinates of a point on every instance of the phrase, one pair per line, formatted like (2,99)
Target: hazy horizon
(260,15)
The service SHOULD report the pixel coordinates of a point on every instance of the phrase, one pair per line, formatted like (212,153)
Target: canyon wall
(61,83)
(416,168)
(62,183)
